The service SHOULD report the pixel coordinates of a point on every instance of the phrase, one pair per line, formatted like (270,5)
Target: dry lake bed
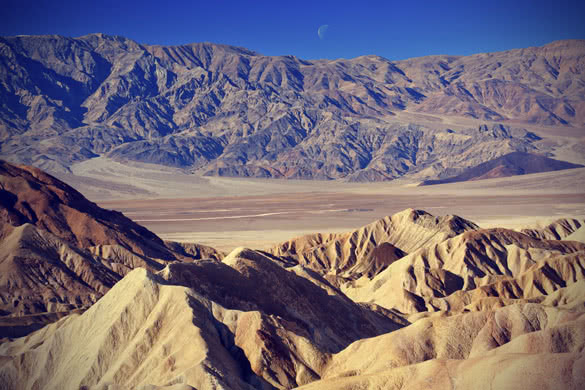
(226,213)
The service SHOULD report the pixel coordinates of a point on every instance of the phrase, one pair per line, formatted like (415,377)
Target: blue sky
(392,29)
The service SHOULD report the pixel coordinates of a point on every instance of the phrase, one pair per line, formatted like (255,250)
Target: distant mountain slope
(223,110)
(511,164)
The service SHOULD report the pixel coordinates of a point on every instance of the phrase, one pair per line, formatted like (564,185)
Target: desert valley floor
(229,212)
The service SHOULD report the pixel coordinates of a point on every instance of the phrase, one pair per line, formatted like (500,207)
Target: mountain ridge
(224,110)
(59,252)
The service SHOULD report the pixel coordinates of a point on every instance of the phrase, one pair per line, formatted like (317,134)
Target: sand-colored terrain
(229,212)
(259,221)
(102,179)
(413,300)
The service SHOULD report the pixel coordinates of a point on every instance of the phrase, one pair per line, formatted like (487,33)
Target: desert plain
(226,213)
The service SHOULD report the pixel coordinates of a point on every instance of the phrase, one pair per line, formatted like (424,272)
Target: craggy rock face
(223,110)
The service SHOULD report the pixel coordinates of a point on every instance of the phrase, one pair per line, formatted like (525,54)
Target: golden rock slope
(514,316)
(243,323)
(371,248)
(412,301)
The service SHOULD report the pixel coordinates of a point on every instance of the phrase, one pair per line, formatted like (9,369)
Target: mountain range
(90,299)
(411,301)
(223,110)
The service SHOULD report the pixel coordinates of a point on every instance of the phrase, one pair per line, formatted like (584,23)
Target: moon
(322,31)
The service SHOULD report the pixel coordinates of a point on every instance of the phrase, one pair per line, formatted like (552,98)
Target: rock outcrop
(372,248)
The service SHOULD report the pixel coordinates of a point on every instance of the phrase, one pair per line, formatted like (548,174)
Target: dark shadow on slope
(227,339)
(512,164)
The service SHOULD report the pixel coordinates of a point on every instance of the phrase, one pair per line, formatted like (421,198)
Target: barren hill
(372,248)
(60,252)
(243,324)
(457,273)
(223,110)
(254,322)
(31,196)
(560,229)
(516,163)
(516,346)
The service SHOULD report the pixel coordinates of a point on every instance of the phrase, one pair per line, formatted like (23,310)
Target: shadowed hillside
(511,164)
(60,252)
